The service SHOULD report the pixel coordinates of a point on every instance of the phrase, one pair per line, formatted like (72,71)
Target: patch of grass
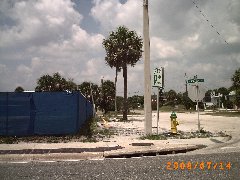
(154,137)
(202,131)
(8,140)
(105,132)
(184,135)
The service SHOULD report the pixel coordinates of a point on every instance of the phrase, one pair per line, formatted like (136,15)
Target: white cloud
(47,38)
(42,36)
(111,13)
(163,49)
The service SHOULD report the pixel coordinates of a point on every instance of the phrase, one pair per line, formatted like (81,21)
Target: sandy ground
(187,122)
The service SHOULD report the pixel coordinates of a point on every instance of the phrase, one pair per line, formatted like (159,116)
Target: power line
(205,17)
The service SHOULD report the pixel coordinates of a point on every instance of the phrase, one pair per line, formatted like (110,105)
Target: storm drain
(154,153)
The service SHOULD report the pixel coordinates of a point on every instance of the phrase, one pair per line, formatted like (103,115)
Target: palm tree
(123,47)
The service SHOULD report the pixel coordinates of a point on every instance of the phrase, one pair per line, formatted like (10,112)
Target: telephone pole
(147,74)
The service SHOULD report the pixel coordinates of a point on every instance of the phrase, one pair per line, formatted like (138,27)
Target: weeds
(184,135)
(154,137)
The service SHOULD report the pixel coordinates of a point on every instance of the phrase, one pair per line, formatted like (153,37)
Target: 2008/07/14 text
(198,165)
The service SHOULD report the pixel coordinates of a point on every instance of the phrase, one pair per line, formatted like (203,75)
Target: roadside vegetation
(184,135)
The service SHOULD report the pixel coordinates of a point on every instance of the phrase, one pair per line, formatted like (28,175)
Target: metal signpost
(196,93)
(158,81)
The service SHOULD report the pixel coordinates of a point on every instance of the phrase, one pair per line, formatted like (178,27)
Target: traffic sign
(200,80)
(196,92)
(191,81)
(157,80)
(195,80)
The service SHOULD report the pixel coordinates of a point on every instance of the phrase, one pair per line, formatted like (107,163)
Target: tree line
(103,95)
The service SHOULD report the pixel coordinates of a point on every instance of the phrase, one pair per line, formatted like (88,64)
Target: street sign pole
(196,93)
(198,110)
(158,82)
(197,89)
(157,108)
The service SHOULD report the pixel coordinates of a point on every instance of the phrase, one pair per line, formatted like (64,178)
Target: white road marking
(71,160)
(96,159)
(19,162)
(47,161)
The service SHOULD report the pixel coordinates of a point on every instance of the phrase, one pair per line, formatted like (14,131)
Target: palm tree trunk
(125,103)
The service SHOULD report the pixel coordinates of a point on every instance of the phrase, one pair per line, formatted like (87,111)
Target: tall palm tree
(123,47)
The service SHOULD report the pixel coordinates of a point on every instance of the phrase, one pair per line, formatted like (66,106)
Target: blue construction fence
(43,113)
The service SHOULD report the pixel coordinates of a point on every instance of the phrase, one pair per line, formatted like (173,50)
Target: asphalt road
(219,161)
(197,166)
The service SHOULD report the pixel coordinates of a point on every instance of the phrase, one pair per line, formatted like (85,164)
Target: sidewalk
(100,150)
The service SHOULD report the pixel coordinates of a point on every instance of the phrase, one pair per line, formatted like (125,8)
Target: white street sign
(157,80)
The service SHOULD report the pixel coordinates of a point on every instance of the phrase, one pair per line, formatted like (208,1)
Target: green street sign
(195,80)
(200,80)
(191,81)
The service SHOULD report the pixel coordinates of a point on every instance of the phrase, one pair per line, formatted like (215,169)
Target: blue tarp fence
(43,113)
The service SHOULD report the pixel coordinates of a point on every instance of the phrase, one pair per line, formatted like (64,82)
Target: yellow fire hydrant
(174,123)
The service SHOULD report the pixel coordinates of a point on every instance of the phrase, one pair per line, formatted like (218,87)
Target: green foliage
(236,79)
(54,83)
(123,47)
(171,97)
(107,96)
(187,102)
(136,102)
(119,103)
(89,127)
(19,89)
(85,89)
(103,96)
(236,86)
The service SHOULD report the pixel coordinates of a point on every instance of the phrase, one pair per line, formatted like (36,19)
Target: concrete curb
(150,152)
(121,153)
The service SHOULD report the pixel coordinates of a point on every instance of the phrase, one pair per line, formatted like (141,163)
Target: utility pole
(147,74)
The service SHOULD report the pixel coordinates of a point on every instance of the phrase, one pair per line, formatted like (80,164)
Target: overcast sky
(196,37)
